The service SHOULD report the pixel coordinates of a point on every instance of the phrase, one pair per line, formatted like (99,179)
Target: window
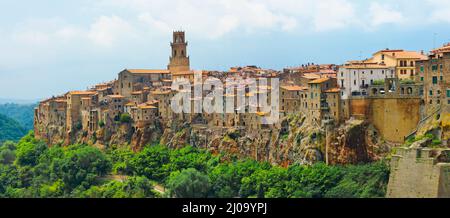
(371,72)
(422,68)
(342,83)
(434,67)
(421,78)
(448,93)
(354,82)
(431,92)
(435,80)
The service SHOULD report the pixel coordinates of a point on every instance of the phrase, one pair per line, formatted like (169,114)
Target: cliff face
(297,142)
(356,142)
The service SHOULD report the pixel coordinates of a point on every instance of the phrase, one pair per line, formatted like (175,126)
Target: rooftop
(444,49)
(293,88)
(402,54)
(116,96)
(147,71)
(318,81)
(333,90)
(82,93)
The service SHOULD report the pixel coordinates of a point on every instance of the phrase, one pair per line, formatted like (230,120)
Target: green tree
(133,187)
(152,162)
(121,160)
(125,118)
(80,166)
(189,183)
(29,149)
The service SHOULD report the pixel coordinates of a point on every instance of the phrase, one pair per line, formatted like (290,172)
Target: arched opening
(409,91)
(402,91)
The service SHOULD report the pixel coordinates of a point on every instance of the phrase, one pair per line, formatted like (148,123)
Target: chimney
(421,52)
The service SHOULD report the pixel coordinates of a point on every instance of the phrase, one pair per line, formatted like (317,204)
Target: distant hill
(23,114)
(17,101)
(10,129)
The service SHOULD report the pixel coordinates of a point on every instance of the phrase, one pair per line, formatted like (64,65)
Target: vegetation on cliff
(31,169)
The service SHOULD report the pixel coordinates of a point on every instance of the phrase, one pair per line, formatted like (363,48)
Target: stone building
(434,73)
(179,61)
(354,77)
(403,61)
(75,116)
(333,105)
(116,106)
(49,114)
(136,79)
(318,107)
(293,99)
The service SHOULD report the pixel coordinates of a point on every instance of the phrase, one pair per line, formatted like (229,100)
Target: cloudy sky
(50,46)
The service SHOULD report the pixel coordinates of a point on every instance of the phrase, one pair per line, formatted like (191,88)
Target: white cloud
(333,14)
(441,12)
(383,14)
(106,31)
(208,19)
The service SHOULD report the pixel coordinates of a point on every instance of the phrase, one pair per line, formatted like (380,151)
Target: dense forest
(30,168)
(22,113)
(10,129)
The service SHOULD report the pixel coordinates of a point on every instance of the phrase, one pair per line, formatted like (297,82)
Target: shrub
(125,118)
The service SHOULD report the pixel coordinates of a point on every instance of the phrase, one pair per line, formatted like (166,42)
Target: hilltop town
(351,113)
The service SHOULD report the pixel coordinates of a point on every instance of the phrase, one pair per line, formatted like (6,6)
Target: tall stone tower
(179,61)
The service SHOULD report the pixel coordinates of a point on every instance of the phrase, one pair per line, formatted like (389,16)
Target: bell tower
(179,61)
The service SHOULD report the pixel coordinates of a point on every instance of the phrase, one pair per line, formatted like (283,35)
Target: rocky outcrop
(297,142)
(355,142)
